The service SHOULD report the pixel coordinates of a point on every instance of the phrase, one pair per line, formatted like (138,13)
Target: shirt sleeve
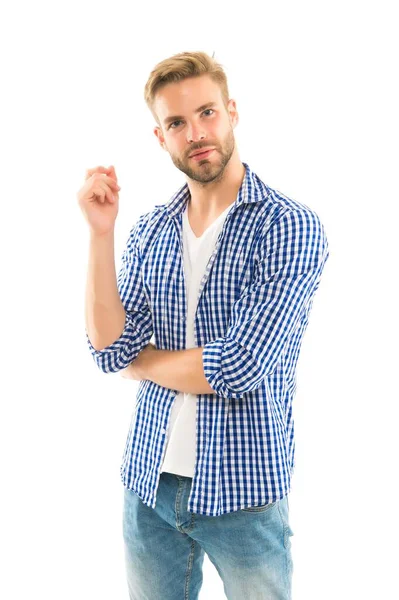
(138,328)
(291,258)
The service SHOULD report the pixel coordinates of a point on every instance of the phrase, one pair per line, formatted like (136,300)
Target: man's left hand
(135,370)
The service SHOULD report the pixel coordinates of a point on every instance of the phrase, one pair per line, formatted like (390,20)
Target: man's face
(186,129)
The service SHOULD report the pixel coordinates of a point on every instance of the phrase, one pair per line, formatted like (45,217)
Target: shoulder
(291,228)
(146,221)
(281,212)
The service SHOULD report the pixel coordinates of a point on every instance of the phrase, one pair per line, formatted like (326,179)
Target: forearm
(104,312)
(180,370)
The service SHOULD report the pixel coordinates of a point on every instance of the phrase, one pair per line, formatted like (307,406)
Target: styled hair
(182,66)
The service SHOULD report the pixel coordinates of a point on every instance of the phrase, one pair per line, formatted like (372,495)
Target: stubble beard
(208,171)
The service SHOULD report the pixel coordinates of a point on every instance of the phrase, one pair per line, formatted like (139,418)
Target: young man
(223,277)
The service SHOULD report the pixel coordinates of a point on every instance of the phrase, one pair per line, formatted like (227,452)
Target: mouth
(202,155)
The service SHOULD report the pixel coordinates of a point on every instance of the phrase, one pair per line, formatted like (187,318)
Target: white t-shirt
(181,443)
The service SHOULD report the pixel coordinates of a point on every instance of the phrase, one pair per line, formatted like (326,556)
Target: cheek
(221,130)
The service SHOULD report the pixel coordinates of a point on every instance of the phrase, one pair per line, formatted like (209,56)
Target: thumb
(112,172)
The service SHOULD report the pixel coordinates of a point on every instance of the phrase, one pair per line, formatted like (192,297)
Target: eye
(173,124)
(206,110)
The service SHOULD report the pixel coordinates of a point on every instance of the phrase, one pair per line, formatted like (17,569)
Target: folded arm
(125,310)
(292,254)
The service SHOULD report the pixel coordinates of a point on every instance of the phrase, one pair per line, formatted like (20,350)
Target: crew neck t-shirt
(181,442)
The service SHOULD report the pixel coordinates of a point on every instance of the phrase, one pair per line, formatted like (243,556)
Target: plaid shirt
(253,308)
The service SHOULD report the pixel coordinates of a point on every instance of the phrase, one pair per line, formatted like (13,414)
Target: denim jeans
(165,546)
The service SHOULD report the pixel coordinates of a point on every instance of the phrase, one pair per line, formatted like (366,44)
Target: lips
(202,154)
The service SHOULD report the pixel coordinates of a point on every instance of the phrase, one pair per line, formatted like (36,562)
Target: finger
(111,182)
(112,173)
(103,192)
(109,193)
(98,195)
(90,172)
(107,178)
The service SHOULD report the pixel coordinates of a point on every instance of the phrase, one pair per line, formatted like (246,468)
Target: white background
(315,89)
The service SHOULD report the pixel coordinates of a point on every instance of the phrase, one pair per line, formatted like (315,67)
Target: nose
(195,133)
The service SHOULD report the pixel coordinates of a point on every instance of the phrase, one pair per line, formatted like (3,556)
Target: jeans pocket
(261,508)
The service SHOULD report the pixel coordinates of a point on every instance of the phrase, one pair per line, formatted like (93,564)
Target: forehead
(183,97)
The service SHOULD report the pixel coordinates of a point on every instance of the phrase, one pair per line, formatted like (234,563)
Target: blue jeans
(165,546)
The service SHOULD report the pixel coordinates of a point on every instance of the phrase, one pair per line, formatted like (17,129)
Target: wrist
(144,361)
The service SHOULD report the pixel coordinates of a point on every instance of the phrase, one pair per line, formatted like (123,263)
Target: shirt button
(163,430)
(183,319)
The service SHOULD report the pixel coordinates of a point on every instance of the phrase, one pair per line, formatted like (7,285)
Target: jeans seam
(287,550)
(189,570)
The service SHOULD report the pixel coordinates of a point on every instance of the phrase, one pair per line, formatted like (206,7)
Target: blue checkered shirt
(253,308)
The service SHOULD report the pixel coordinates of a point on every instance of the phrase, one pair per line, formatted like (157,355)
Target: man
(223,276)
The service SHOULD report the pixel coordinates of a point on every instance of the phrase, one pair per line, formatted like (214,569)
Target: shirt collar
(252,190)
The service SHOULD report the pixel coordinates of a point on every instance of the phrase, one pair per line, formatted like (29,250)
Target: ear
(233,114)
(158,134)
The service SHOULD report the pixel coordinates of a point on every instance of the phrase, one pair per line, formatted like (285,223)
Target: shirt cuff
(121,352)
(212,364)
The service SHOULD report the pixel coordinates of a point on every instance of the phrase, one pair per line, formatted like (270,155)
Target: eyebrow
(197,110)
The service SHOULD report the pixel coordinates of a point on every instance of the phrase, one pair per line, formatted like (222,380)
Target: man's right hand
(99,199)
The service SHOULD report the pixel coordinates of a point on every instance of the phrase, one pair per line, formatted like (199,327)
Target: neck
(213,198)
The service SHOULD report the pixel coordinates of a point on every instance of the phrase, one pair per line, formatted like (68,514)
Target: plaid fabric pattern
(253,308)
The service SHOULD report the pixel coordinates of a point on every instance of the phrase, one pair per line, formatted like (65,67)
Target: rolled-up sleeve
(292,254)
(138,328)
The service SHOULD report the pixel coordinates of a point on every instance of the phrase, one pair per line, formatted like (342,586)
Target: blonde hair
(182,66)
